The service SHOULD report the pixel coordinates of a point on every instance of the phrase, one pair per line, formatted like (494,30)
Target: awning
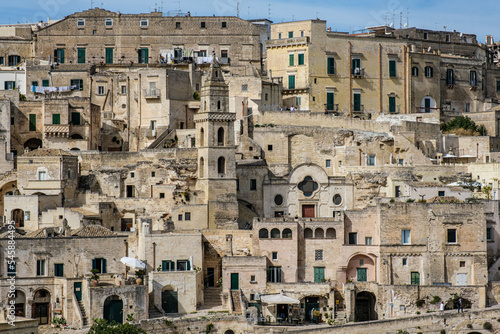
(278,299)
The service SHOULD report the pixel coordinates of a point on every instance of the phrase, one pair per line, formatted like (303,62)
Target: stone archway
(113,309)
(33,144)
(20,304)
(365,306)
(169,299)
(41,307)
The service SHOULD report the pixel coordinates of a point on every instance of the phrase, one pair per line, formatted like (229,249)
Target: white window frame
(405,237)
(142,21)
(79,21)
(100,90)
(107,21)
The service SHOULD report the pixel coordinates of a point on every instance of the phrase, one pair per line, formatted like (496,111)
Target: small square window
(290,34)
(252,295)
(426,35)
(224,24)
(279,35)
(177,25)
(100,90)
(153,174)
(187,216)
(318,255)
(361,262)
(244,88)
(401,307)
(353,238)
(252,278)
(250,148)
(368,241)
(132,174)
(405,262)
(108,22)
(124,89)
(269,147)
(179,217)
(275,256)
(405,237)
(144,22)
(94,32)
(462,264)
(202,25)
(488,234)
(452,236)
(61,217)
(441,193)
(328,163)
(253,184)
(80,23)
(162,195)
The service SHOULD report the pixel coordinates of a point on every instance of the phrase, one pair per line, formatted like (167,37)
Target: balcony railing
(360,109)
(332,108)
(152,93)
(358,72)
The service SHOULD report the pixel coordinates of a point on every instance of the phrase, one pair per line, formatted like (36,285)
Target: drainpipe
(140,112)
(404,78)
(380,77)
(360,157)
(125,242)
(477,152)
(154,256)
(128,113)
(350,86)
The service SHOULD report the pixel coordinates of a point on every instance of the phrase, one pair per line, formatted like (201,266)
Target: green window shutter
(75,118)
(109,56)
(104,269)
(392,68)
(301,59)
(291,82)
(356,64)
(291,61)
(81,56)
(330,101)
(392,104)
(56,118)
(415,278)
(94,263)
(188,265)
(290,34)
(163,265)
(146,52)
(357,102)
(331,66)
(32,124)
(45,83)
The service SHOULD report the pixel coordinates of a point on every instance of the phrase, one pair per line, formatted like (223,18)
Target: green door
(113,309)
(427,102)
(356,102)
(319,274)
(81,56)
(235,281)
(330,101)
(75,118)
(56,119)
(32,122)
(311,303)
(109,56)
(291,82)
(361,277)
(392,104)
(169,302)
(77,287)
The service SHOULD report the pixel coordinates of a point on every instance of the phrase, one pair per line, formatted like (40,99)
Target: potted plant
(317,316)
(140,276)
(95,277)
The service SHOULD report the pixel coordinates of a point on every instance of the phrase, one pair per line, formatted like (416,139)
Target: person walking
(441,308)
(460,305)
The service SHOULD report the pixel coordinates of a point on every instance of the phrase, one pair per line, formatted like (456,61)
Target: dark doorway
(130,191)
(312,303)
(169,301)
(33,144)
(113,309)
(210,276)
(308,211)
(365,307)
(41,313)
(18,217)
(282,311)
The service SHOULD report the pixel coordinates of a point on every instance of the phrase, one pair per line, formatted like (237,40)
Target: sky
(347,16)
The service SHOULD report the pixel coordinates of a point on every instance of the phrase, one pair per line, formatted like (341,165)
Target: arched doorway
(17,216)
(113,309)
(33,144)
(365,306)
(20,301)
(41,307)
(361,268)
(169,300)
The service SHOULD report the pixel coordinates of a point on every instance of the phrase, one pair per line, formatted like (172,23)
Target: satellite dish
(405,25)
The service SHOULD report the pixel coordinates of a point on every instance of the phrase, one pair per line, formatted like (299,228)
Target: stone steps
(85,319)
(235,295)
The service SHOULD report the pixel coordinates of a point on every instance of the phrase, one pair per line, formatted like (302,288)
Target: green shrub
(435,300)
(410,200)
(442,331)
(488,326)
(420,302)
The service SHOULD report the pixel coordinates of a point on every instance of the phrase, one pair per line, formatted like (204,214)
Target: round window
(278,199)
(337,199)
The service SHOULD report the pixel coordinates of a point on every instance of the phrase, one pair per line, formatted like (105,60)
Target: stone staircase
(153,311)
(235,296)
(85,319)
(213,299)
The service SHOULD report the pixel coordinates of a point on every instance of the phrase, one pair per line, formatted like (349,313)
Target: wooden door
(308,211)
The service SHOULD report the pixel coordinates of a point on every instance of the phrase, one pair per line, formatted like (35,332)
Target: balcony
(358,73)
(331,108)
(57,130)
(279,43)
(152,93)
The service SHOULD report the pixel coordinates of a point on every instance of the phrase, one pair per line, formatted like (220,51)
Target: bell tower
(216,151)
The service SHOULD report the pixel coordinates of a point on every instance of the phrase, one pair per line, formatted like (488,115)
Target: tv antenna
(269,11)
(237,9)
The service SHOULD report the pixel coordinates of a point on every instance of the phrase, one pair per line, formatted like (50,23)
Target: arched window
(221,165)
(275,233)
(319,234)
(308,233)
(287,233)
(220,137)
(263,233)
(331,234)
(202,137)
(202,167)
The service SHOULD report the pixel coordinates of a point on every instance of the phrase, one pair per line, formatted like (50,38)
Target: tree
(102,326)
(463,126)
(487,191)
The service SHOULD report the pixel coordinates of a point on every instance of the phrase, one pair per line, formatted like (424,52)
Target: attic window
(80,23)
(144,22)
(108,22)
(224,24)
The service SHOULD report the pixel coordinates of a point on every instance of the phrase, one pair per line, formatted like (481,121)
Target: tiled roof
(43,233)
(41,152)
(92,231)
(85,212)
(7,234)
